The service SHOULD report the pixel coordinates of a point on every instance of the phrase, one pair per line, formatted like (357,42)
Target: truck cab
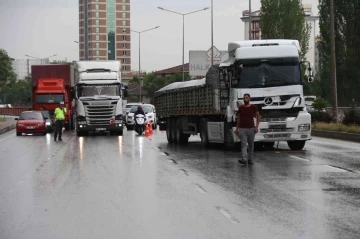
(98,94)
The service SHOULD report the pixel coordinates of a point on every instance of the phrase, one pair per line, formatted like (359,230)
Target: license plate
(30,127)
(277,126)
(100,129)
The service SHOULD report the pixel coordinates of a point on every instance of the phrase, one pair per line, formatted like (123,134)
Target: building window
(97,30)
(97,37)
(97,6)
(97,53)
(124,7)
(124,38)
(98,59)
(123,15)
(124,53)
(125,68)
(124,61)
(124,1)
(97,14)
(97,22)
(124,23)
(97,45)
(124,30)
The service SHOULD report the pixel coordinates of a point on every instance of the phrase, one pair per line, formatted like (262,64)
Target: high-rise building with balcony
(104,31)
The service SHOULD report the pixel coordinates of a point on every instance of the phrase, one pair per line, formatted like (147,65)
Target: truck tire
(173,130)
(296,145)
(169,134)
(269,145)
(229,140)
(181,138)
(203,132)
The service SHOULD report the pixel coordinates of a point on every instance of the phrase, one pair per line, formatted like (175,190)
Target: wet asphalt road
(105,186)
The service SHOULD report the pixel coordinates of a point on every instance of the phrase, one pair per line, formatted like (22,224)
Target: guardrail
(16,111)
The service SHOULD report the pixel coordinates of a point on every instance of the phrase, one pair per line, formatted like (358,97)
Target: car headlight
(304,127)
(297,102)
(48,123)
(20,124)
(150,116)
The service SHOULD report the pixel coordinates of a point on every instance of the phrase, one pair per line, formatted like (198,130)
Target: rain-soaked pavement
(136,187)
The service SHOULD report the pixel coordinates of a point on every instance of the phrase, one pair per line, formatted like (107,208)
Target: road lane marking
(6,138)
(173,160)
(228,215)
(200,189)
(296,157)
(340,170)
(184,171)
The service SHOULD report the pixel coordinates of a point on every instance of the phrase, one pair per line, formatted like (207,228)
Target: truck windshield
(96,90)
(270,73)
(49,98)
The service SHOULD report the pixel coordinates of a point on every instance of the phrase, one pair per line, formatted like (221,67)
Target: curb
(336,135)
(8,128)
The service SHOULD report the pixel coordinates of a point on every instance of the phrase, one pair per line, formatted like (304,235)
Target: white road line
(296,157)
(7,138)
(228,215)
(340,170)
(200,189)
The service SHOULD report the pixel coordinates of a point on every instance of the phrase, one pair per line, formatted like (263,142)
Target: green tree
(6,71)
(16,92)
(285,19)
(347,54)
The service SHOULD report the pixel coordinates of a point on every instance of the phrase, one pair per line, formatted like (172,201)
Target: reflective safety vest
(60,113)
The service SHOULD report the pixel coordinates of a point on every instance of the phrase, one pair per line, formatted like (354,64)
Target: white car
(149,111)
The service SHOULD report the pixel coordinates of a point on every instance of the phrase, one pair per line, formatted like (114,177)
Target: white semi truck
(268,70)
(98,94)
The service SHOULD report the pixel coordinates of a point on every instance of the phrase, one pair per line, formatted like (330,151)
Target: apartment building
(104,31)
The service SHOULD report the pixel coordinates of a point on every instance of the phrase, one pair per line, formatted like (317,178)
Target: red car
(31,122)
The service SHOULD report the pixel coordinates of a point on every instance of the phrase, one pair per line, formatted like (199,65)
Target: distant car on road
(31,122)
(309,100)
(148,109)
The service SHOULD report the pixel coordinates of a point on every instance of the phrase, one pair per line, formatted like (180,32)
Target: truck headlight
(297,102)
(304,127)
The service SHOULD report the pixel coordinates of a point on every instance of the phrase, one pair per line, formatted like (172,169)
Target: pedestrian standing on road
(247,129)
(59,115)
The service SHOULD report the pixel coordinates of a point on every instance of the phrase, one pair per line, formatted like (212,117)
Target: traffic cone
(147,132)
(151,128)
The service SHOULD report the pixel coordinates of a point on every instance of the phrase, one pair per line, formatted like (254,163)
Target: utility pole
(250,20)
(333,61)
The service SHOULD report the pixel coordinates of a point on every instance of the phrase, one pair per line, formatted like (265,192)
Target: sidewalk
(7,125)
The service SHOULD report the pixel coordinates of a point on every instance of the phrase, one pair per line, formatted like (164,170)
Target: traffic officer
(59,115)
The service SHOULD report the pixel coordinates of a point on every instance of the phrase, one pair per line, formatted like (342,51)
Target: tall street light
(250,35)
(333,61)
(140,82)
(183,15)
(41,58)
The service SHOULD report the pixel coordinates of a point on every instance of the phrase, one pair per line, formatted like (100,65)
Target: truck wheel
(173,130)
(296,145)
(203,133)
(181,138)
(229,140)
(168,131)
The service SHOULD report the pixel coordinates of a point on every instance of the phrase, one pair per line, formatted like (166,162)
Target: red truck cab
(51,85)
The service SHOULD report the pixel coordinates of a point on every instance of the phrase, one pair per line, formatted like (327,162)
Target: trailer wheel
(173,130)
(203,133)
(180,136)
(168,131)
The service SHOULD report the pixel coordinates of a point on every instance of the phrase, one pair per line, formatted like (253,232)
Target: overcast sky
(43,28)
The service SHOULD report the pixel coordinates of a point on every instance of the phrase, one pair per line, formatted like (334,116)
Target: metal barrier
(15,111)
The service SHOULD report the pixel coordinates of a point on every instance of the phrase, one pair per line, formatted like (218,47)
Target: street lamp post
(250,20)
(183,15)
(41,58)
(333,61)
(139,75)
(212,33)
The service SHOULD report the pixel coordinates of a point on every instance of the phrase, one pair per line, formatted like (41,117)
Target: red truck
(51,84)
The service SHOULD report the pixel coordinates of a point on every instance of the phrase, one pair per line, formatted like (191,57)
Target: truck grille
(99,114)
